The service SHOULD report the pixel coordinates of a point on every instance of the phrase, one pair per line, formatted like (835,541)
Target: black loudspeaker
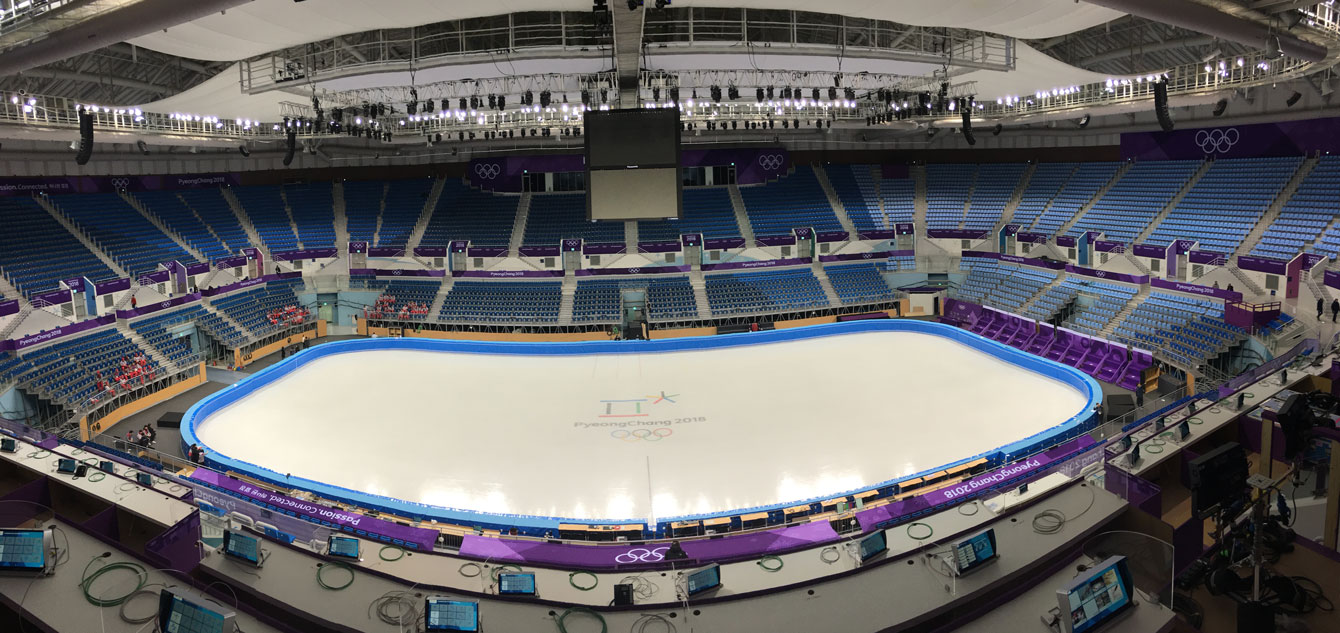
(623,595)
(242,149)
(291,143)
(965,109)
(1161,105)
(85,137)
(996,131)
(1219,107)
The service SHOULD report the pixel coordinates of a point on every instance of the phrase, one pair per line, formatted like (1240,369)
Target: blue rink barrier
(1080,423)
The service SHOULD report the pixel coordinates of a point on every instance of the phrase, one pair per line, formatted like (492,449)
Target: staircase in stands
(1007,214)
(741,216)
(1126,311)
(1272,213)
(341,218)
(59,216)
(288,213)
(877,177)
(833,299)
(1041,291)
(918,173)
(519,225)
(124,328)
(244,220)
(699,285)
(381,214)
(441,297)
(1121,171)
(1048,207)
(1137,262)
(209,305)
(158,224)
(1247,281)
(1172,204)
(630,237)
(568,298)
(967,200)
(425,216)
(201,220)
(839,209)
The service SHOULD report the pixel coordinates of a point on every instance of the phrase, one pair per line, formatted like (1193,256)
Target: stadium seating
(67,372)
(155,328)
(215,212)
(502,302)
(1003,286)
(405,200)
(251,307)
(793,201)
(991,193)
(313,208)
(36,252)
(121,232)
(707,210)
(1134,201)
(858,283)
(362,205)
(1099,302)
(1043,187)
(855,188)
(177,216)
(601,300)
(947,190)
(1187,329)
(1051,301)
(1224,205)
(399,293)
(555,216)
(748,293)
(463,213)
(265,208)
(1307,216)
(898,196)
(1084,183)
(902,262)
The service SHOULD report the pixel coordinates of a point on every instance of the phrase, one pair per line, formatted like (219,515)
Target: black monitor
(145,479)
(874,545)
(242,547)
(975,552)
(521,584)
(1096,596)
(24,552)
(704,580)
(342,547)
(8,445)
(183,613)
(1218,479)
(444,614)
(108,467)
(66,466)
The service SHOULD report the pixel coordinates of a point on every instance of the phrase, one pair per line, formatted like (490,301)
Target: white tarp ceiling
(266,25)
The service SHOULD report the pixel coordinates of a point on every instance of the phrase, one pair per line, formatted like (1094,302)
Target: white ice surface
(750,426)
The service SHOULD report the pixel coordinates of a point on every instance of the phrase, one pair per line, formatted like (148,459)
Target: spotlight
(1293,99)
(674,95)
(656,94)
(462,103)
(502,102)
(758,94)
(604,95)
(493,102)
(528,98)
(586,97)
(832,94)
(732,92)
(814,94)
(769,93)
(1220,107)
(996,130)
(144,148)
(242,149)
(545,98)
(428,106)
(716,94)
(1084,122)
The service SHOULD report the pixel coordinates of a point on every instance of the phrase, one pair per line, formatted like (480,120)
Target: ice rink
(638,436)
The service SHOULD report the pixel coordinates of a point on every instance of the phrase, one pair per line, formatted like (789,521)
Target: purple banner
(763,263)
(60,332)
(1031,261)
(831,236)
(358,247)
(218,290)
(659,247)
(603,249)
(504,173)
(1195,289)
(397,272)
(55,298)
(197,269)
(961,313)
(1011,229)
(430,251)
(9,307)
(1206,257)
(309,253)
(539,251)
(1182,246)
(158,307)
(1286,138)
(1105,246)
(506,274)
(107,184)
(423,538)
(75,285)
(1065,240)
(1104,274)
(895,171)
(1262,264)
(155,277)
(458,246)
(1311,259)
(1030,238)
(883,235)
(691,239)
(110,286)
(955,234)
(1147,250)
(642,270)
(904,228)
(385,251)
(871,255)
(802,233)
(723,243)
(776,240)
(487,251)
(1331,278)
(231,262)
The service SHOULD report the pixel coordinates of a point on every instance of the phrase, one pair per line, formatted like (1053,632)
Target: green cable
(100,476)
(572,580)
(930,533)
(338,565)
(1154,448)
(39,454)
(89,461)
(501,568)
(86,581)
(766,560)
(382,553)
(1195,421)
(1248,394)
(562,617)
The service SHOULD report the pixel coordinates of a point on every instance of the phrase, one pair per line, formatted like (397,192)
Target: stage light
(1219,107)
(996,131)
(758,94)
(732,92)
(1084,122)
(545,98)
(1293,99)
(769,92)
(674,95)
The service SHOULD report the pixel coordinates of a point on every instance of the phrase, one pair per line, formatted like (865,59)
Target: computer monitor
(1096,596)
(108,467)
(179,612)
(443,614)
(66,466)
(1183,429)
(145,479)
(24,552)
(522,584)
(9,445)
(241,547)
(873,545)
(343,547)
(975,552)
(704,580)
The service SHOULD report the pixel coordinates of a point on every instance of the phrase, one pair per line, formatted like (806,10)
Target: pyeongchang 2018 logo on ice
(649,416)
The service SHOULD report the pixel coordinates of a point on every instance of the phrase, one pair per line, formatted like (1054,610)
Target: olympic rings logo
(634,271)
(120,183)
(642,555)
(1220,141)
(770,162)
(487,171)
(638,435)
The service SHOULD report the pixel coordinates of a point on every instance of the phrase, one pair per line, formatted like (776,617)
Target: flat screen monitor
(632,164)
(180,613)
(1095,597)
(242,547)
(442,614)
(25,551)
(873,545)
(516,584)
(703,580)
(343,547)
(67,466)
(145,479)
(975,552)
(107,467)
(8,445)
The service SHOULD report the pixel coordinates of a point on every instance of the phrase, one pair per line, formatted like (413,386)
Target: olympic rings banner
(1286,138)
(504,173)
(107,184)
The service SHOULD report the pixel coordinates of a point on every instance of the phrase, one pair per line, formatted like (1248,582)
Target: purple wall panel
(9,307)
(55,297)
(1065,240)
(645,270)
(539,251)
(1262,264)
(309,253)
(1196,289)
(723,243)
(603,249)
(776,240)
(107,184)
(871,255)
(1206,257)
(487,251)
(1286,138)
(504,173)
(158,307)
(385,251)
(111,285)
(1146,250)
(831,236)
(430,251)
(955,234)
(659,247)
(506,274)
(762,263)
(1103,274)
(397,272)
(60,332)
